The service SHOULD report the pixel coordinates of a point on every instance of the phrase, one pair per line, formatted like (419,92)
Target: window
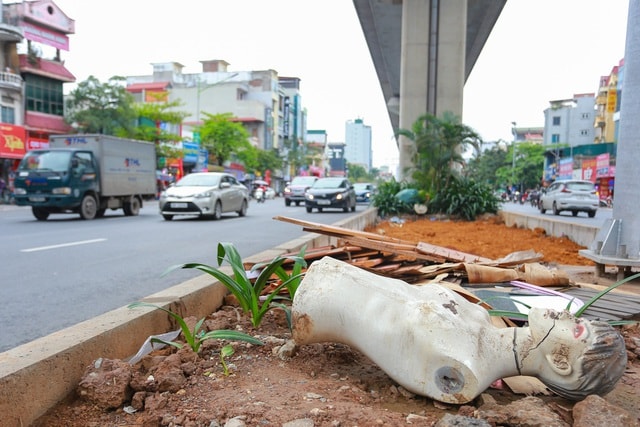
(8,115)
(44,95)
(584,132)
(586,115)
(555,138)
(556,120)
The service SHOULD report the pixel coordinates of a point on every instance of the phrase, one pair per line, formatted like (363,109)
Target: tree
(483,167)
(104,108)
(439,144)
(268,160)
(356,172)
(529,165)
(224,137)
(149,116)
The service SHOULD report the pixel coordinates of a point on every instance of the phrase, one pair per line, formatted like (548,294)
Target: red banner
(589,170)
(12,141)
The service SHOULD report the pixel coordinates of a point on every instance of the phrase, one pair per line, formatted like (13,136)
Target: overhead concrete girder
(382,24)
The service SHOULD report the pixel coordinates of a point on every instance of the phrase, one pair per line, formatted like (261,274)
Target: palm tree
(439,145)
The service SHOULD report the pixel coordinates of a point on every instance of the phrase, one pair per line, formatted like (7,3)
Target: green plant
(293,280)
(225,352)
(439,143)
(194,338)
(248,291)
(387,202)
(465,198)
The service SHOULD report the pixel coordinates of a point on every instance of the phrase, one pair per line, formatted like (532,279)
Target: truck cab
(58,181)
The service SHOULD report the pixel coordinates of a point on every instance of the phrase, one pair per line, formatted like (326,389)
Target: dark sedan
(364,191)
(335,193)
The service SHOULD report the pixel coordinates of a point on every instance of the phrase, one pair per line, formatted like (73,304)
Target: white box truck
(87,174)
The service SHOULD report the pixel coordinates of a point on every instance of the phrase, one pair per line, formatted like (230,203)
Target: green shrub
(387,202)
(465,198)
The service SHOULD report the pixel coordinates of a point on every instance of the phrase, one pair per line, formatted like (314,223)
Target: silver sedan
(205,194)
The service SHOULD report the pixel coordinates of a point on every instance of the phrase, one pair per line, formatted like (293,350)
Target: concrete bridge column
(432,65)
(618,242)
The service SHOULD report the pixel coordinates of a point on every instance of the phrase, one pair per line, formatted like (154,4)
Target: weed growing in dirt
(248,291)
(196,337)
(225,352)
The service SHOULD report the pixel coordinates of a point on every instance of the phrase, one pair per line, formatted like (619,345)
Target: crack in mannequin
(435,343)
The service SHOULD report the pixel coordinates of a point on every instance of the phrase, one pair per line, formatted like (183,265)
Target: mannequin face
(575,357)
(561,339)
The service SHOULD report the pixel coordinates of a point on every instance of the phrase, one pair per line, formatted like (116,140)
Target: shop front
(12,149)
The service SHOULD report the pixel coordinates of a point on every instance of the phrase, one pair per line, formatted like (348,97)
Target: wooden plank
(449,254)
(395,248)
(315,227)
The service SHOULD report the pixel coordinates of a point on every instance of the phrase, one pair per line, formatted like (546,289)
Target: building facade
(268,106)
(32,35)
(608,106)
(570,121)
(357,148)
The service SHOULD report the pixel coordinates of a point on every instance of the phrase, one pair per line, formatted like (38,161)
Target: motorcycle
(258,194)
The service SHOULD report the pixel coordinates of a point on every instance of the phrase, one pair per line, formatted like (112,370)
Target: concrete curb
(583,235)
(35,376)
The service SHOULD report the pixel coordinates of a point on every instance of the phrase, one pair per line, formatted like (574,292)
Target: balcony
(11,81)
(10,30)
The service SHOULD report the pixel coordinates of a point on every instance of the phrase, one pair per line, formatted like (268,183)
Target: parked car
(294,192)
(570,195)
(364,191)
(205,194)
(331,193)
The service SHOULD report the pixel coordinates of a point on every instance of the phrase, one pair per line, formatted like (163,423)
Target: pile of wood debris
(426,263)
(423,263)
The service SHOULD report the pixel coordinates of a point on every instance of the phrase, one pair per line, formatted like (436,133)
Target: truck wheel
(88,207)
(39,213)
(132,207)
(167,217)
(243,209)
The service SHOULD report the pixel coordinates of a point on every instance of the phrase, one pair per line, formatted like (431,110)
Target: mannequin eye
(578,330)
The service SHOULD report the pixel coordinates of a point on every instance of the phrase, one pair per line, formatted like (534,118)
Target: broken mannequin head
(579,357)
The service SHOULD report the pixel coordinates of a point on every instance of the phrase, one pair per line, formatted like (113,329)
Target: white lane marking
(62,245)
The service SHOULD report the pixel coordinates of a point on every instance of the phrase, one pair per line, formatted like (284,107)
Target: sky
(538,51)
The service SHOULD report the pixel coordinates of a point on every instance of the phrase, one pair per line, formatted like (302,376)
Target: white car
(205,194)
(572,195)
(270,193)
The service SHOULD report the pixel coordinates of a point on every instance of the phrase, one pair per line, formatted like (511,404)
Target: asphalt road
(65,270)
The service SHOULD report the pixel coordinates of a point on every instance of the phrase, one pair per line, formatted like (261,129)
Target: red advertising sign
(589,170)
(12,141)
